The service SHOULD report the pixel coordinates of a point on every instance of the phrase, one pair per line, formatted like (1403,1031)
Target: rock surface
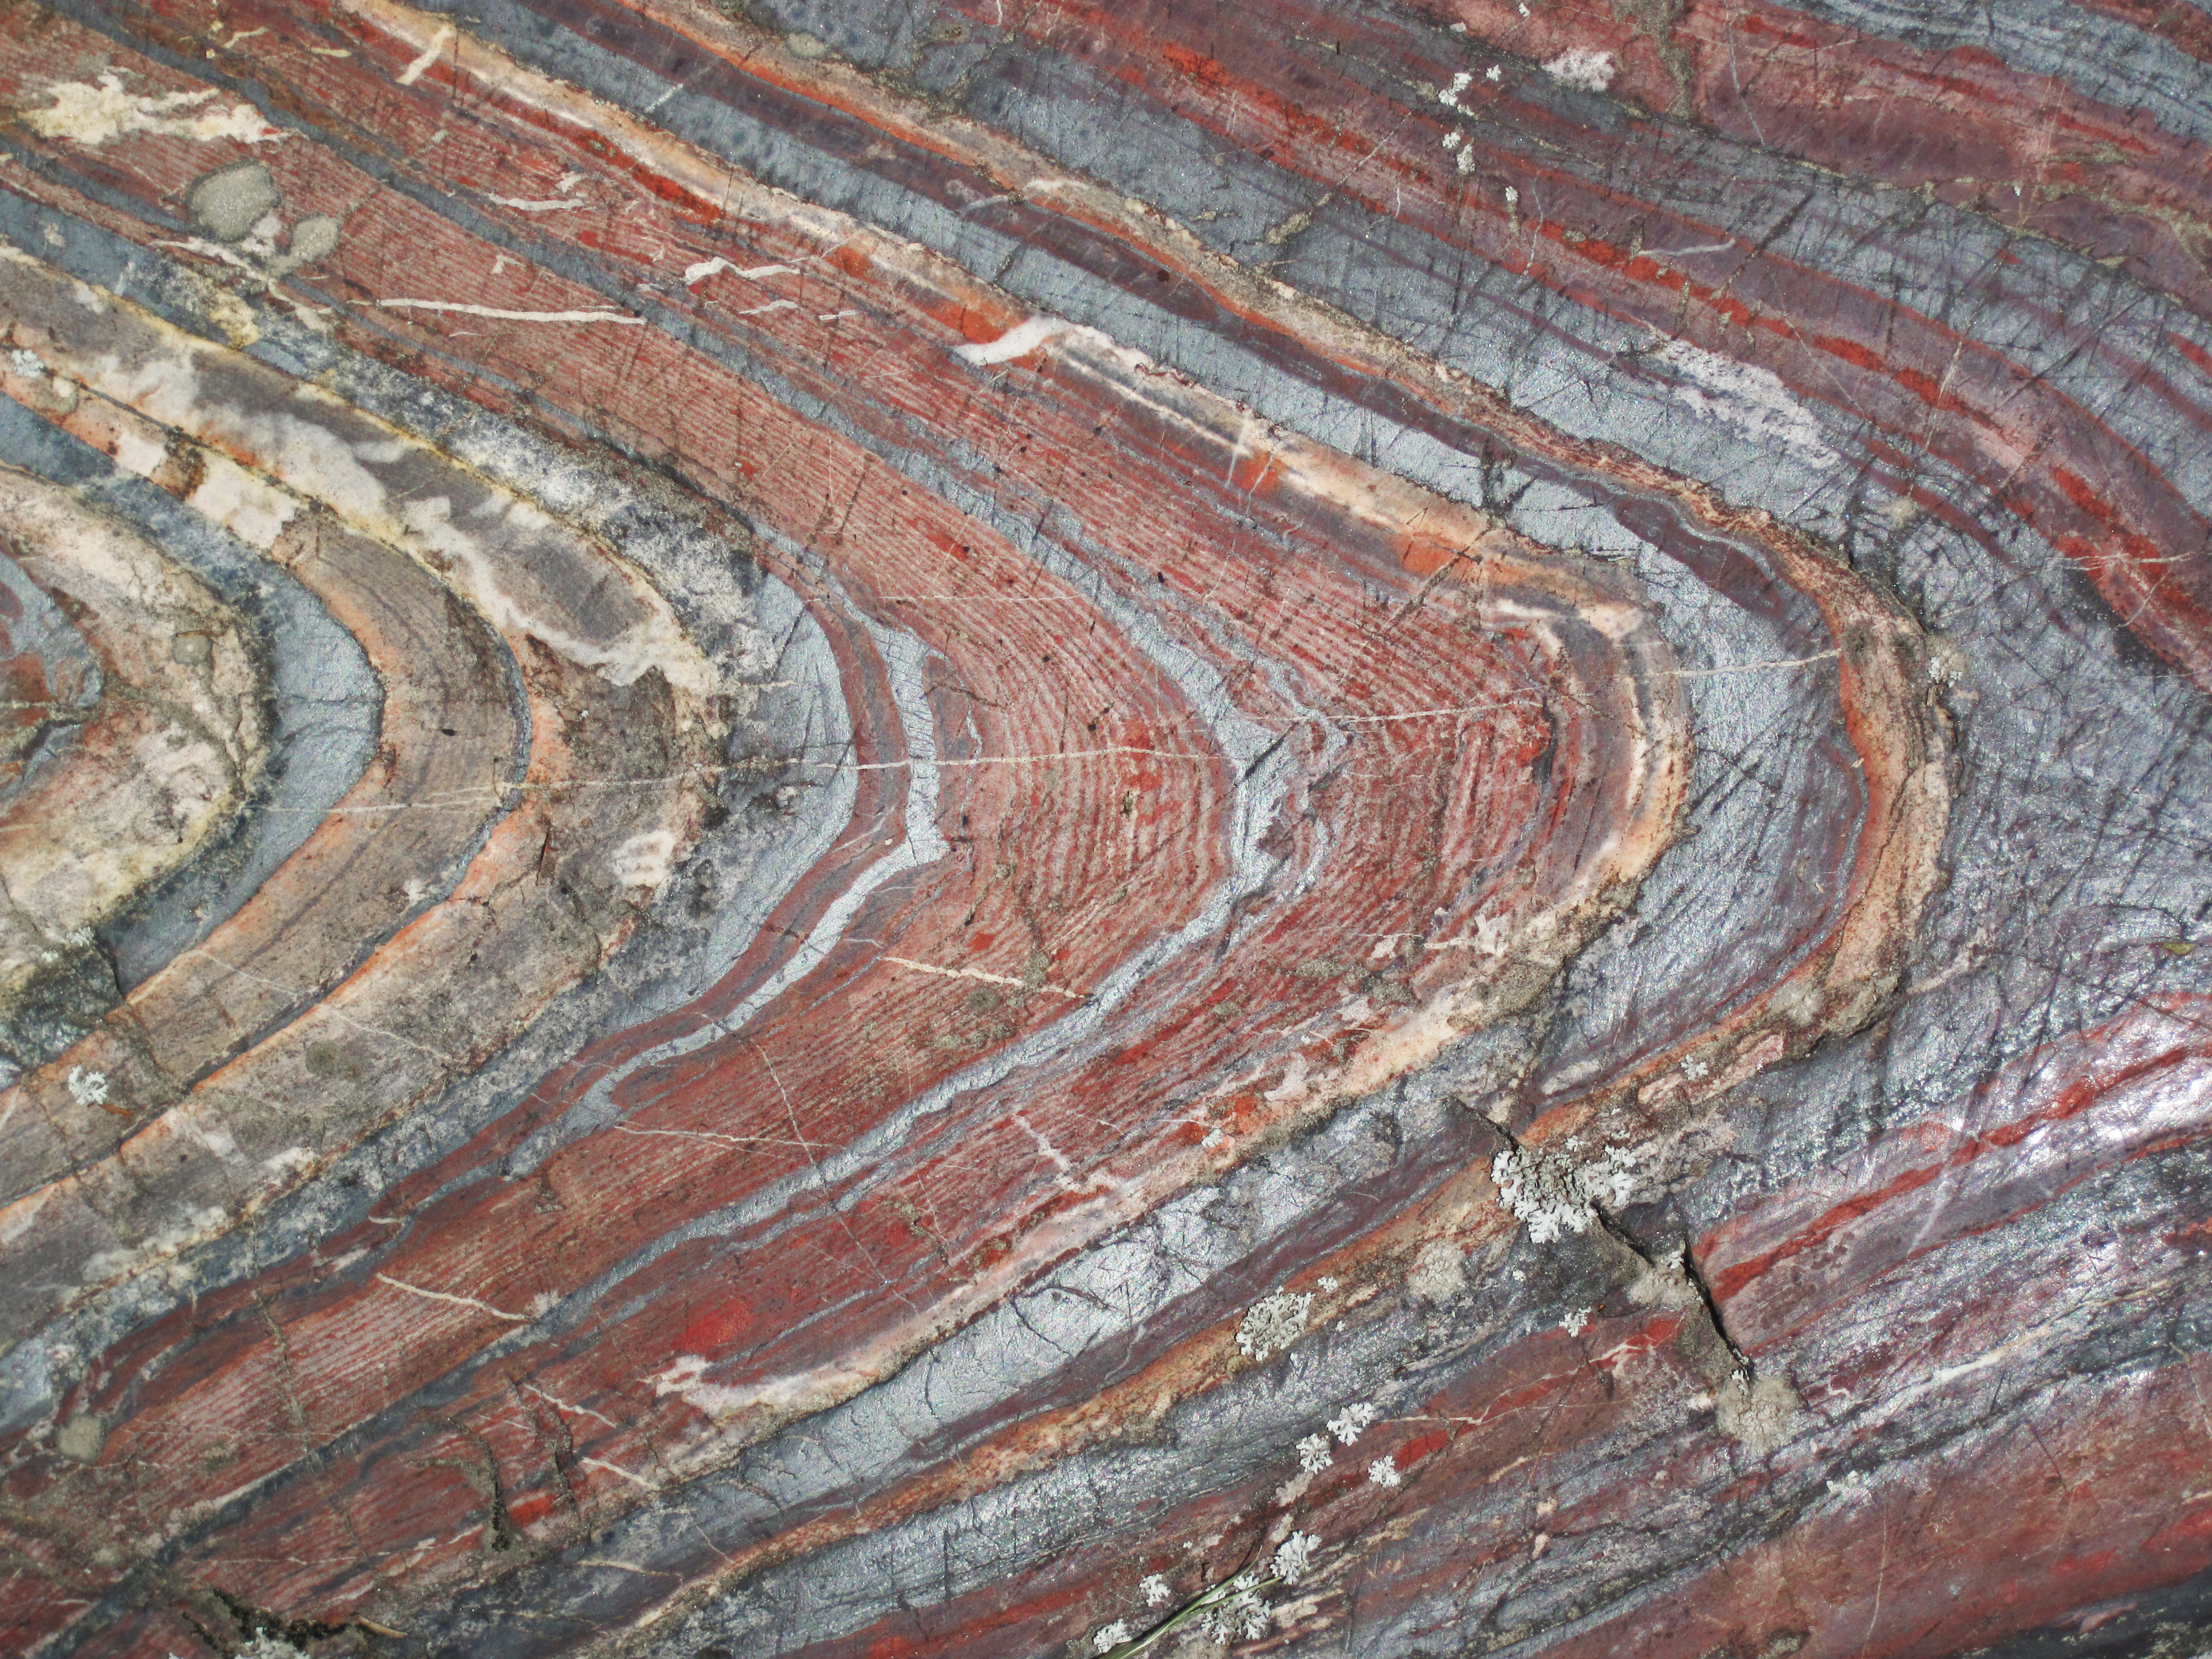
(916,827)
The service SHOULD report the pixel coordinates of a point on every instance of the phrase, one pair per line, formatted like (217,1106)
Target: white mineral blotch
(1751,399)
(1580,66)
(84,114)
(646,860)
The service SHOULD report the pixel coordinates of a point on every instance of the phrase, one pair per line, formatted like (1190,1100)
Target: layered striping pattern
(879,828)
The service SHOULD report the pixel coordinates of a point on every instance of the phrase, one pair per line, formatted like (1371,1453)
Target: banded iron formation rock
(878,828)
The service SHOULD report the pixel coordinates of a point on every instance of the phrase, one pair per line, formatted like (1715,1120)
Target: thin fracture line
(1747,667)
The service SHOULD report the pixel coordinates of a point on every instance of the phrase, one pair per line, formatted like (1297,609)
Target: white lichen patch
(1244,1612)
(1354,1421)
(1294,1556)
(87,1088)
(1575,1319)
(1611,1181)
(1383,1473)
(1542,1193)
(83,112)
(1156,1591)
(1583,68)
(1315,1453)
(1551,1196)
(1110,1637)
(1272,1324)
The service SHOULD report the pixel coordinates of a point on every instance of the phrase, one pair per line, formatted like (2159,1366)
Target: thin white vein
(559,1403)
(1411,715)
(328,1008)
(1050,758)
(709,1134)
(695,275)
(416,71)
(456,1301)
(548,204)
(505,315)
(989,979)
(617,1468)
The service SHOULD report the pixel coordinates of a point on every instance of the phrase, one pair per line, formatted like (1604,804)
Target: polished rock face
(920,827)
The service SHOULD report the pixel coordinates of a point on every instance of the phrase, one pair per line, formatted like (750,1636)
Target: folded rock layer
(1373,828)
